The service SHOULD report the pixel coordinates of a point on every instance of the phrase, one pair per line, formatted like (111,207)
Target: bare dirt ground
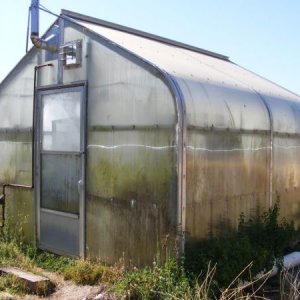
(66,290)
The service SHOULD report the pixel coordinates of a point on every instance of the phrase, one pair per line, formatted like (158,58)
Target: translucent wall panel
(15,163)
(131,184)
(286,175)
(227,174)
(221,106)
(20,218)
(16,101)
(285,113)
(228,152)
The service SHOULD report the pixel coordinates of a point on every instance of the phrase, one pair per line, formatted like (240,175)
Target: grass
(12,285)
(90,273)
(222,268)
(166,281)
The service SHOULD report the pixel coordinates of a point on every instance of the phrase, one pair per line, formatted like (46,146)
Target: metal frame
(60,67)
(52,89)
(60,213)
(181,142)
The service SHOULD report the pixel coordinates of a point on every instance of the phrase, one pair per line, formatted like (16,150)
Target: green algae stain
(108,178)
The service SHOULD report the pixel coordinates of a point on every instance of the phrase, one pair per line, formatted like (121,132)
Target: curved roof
(216,91)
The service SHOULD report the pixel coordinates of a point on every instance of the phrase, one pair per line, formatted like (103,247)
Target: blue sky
(260,35)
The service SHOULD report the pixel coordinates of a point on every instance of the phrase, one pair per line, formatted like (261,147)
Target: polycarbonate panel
(131,188)
(210,105)
(15,162)
(121,167)
(16,102)
(285,114)
(59,182)
(19,209)
(16,95)
(286,175)
(61,121)
(227,174)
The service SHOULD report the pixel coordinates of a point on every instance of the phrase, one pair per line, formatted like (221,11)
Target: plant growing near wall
(261,240)
(167,281)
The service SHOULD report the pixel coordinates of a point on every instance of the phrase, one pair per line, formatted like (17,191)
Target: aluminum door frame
(49,89)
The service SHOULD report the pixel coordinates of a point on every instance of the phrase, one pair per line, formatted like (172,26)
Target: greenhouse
(116,143)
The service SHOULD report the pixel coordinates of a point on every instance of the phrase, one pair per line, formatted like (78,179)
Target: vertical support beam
(60,68)
(35,150)
(82,200)
(181,144)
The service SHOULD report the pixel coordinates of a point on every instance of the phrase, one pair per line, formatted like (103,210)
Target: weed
(86,272)
(48,261)
(160,282)
(260,240)
(11,254)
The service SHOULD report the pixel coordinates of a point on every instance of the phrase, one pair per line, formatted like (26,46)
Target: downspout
(34,36)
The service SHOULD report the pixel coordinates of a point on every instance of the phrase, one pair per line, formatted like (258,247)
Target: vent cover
(71,54)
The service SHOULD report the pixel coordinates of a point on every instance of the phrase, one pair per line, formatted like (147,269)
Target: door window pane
(61,121)
(59,185)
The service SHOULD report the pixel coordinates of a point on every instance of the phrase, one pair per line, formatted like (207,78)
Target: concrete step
(34,283)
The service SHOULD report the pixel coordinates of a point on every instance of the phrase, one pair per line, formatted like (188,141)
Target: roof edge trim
(141,34)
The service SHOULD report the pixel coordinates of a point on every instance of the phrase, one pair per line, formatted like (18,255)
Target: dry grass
(236,289)
(290,284)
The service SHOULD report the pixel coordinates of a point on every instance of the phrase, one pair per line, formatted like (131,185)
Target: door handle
(80,186)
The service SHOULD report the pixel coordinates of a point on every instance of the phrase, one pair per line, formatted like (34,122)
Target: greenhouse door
(60,166)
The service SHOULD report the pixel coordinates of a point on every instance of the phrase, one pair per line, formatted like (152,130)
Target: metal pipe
(34,36)
(290,261)
(35,17)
